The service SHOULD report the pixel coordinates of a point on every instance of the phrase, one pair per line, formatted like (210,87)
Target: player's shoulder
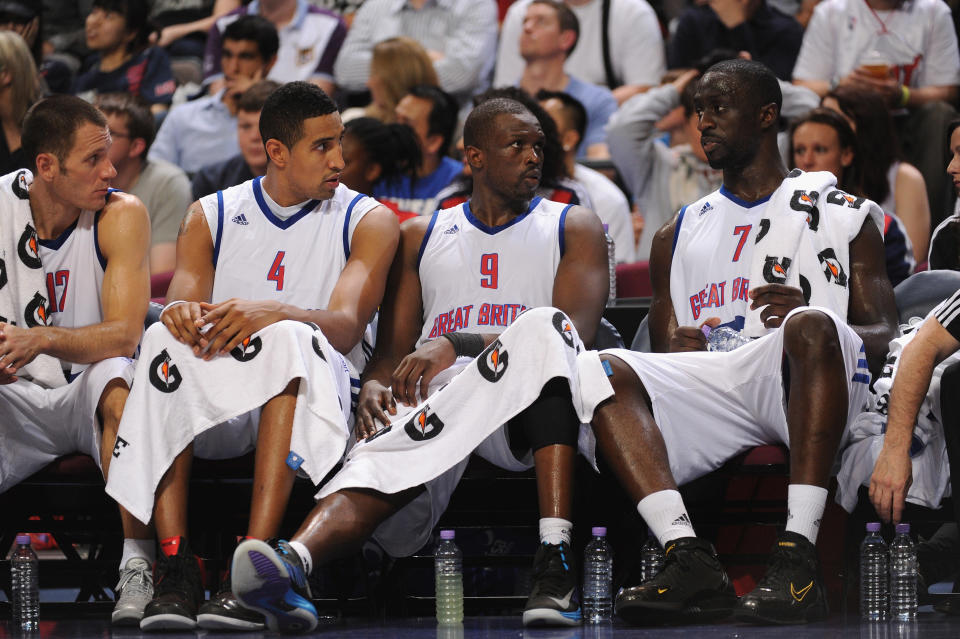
(709,204)
(123,203)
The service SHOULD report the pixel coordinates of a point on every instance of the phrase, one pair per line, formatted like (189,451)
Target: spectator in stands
(660,178)
(25,18)
(117,33)
(398,65)
(432,114)
(346,9)
(374,152)
(823,141)
(945,243)
(182,25)
(765,33)
(897,186)
(459,35)
(203,132)
(609,203)
(310,39)
(62,29)
(907,52)
(19,89)
(251,162)
(550,33)
(162,187)
(632,62)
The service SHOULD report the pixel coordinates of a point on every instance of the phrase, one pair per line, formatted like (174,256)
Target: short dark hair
(253,99)
(568,20)
(286,108)
(481,120)
(135,18)
(951,127)
(51,124)
(756,78)
(136,110)
(572,108)
(443,112)
(394,147)
(257,29)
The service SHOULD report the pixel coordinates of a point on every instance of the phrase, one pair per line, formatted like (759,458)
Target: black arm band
(465,344)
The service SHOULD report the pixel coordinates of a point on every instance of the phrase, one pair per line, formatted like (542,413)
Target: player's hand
(691,338)
(421,366)
(374,403)
(892,476)
(181,321)
(234,321)
(779,300)
(18,347)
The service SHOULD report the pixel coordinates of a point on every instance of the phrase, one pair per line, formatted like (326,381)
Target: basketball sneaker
(691,587)
(791,591)
(177,592)
(552,600)
(134,592)
(273,582)
(224,612)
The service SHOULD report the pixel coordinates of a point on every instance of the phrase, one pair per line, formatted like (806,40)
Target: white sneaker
(134,592)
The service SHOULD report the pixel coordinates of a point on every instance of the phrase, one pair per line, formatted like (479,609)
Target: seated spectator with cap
(609,202)
(251,162)
(117,33)
(310,40)
(202,132)
(162,187)
(432,114)
(550,34)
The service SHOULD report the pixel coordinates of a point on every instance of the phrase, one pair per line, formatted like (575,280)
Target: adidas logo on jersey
(452,230)
(706,207)
(240,219)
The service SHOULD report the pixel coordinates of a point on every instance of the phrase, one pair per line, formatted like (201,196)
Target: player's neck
(279,191)
(51,214)
(544,73)
(758,179)
(493,209)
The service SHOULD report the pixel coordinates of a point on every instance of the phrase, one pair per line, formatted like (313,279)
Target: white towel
(804,242)
(23,299)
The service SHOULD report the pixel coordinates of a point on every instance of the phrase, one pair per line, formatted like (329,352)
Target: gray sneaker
(134,592)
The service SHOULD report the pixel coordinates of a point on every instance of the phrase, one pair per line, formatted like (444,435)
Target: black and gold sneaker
(224,612)
(691,587)
(791,591)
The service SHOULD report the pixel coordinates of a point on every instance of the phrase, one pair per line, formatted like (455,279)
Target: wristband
(170,305)
(904,95)
(465,344)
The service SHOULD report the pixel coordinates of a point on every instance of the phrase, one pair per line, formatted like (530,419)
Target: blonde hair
(17,61)
(401,63)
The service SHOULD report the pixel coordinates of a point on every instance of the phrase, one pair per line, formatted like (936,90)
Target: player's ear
(769,115)
(47,166)
(277,152)
(475,157)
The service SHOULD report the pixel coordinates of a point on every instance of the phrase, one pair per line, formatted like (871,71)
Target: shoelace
(137,579)
(173,572)
(552,575)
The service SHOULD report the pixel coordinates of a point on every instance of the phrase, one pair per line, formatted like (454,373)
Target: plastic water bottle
(598,578)
(874,572)
(903,575)
(723,338)
(651,559)
(24,569)
(448,565)
(611,265)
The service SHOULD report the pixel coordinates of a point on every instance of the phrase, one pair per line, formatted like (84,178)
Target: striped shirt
(948,313)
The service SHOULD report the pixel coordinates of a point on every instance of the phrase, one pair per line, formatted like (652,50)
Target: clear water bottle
(24,585)
(598,578)
(723,338)
(874,572)
(448,570)
(903,575)
(651,559)
(611,265)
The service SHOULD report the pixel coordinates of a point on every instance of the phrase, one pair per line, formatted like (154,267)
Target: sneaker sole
(654,614)
(261,582)
(126,617)
(167,621)
(767,620)
(210,621)
(550,617)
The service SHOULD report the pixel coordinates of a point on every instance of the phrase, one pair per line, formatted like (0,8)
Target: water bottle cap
(873,526)
(903,528)
(599,531)
(23,540)
(447,534)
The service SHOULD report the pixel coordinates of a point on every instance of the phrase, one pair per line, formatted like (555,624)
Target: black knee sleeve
(549,420)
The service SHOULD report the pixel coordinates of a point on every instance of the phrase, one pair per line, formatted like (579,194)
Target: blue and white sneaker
(272,581)
(553,599)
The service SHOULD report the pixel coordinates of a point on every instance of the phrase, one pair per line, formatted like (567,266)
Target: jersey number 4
(275,274)
(489,269)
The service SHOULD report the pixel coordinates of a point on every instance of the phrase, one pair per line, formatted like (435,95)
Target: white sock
(666,516)
(805,506)
(304,554)
(144,548)
(554,530)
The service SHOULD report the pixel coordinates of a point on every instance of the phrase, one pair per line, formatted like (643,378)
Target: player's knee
(810,334)
(625,382)
(112,401)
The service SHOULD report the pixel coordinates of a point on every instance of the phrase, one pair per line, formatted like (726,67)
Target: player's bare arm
(124,237)
(872,311)
(192,281)
(353,302)
(665,335)
(893,472)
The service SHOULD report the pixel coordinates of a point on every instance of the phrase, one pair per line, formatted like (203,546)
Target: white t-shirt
(918,39)
(611,206)
(636,44)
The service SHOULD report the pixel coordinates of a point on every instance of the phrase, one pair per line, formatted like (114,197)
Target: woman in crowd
(398,64)
(19,88)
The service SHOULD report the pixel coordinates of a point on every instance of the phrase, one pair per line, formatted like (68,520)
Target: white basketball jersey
(477,278)
(298,260)
(74,267)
